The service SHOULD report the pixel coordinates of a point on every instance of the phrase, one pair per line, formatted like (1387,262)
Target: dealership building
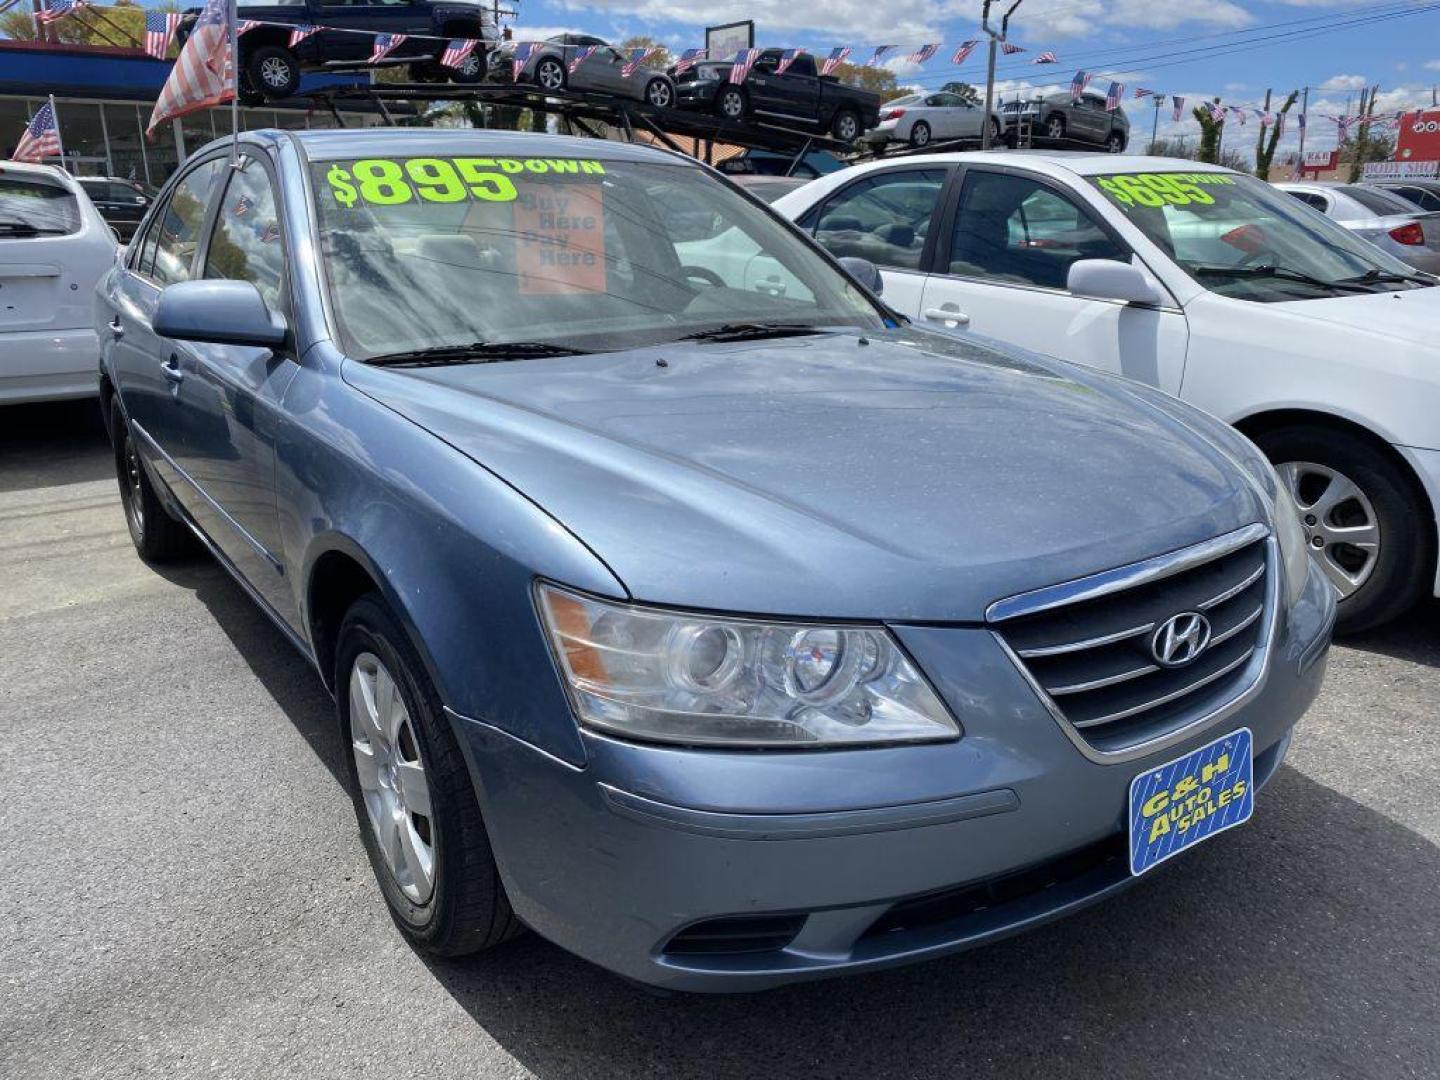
(104,95)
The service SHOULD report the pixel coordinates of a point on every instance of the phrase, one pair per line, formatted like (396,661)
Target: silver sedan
(921,119)
(1382,217)
(601,71)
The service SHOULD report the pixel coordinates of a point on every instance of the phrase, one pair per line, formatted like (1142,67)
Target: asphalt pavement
(183,891)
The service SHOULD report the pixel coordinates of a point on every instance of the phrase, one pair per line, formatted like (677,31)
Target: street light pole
(1155,124)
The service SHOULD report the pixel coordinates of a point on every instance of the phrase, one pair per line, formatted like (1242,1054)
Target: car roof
(332,144)
(1057,162)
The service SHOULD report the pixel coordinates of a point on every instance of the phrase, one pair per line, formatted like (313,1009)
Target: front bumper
(697,94)
(831,862)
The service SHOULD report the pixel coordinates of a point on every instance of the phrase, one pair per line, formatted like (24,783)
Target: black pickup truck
(270,67)
(801,96)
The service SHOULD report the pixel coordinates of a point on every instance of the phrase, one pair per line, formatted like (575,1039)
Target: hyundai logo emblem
(1180,639)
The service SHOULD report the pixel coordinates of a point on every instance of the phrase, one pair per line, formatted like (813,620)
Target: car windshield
(570,253)
(1240,237)
(33,205)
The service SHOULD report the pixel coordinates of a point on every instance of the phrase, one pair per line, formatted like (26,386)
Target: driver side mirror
(218,312)
(865,272)
(1110,279)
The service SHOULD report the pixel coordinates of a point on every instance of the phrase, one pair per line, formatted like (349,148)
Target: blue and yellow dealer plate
(1180,803)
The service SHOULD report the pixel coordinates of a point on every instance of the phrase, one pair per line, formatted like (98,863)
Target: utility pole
(1155,123)
(995,40)
(1304,123)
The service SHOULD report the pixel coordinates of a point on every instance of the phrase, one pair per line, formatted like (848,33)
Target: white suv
(54,246)
(1209,284)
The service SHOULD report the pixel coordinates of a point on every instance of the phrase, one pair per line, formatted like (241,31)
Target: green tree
(657,61)
(968,93)
(1265,144)
(1211,131)
(877,80)
(122,24)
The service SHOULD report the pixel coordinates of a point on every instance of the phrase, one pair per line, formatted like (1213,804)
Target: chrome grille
(1087,645)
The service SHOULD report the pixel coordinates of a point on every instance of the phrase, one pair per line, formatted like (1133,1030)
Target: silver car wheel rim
(921,134)
(659,94)
(1055,129)
(275,71)
(470,65)
(847,128)
(392,777)
(135,501)
(1340,523)
(732,105)
(550,77)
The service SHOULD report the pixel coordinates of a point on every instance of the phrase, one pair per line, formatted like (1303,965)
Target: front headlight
(699,679)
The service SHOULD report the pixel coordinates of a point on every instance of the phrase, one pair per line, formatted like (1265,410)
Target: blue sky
(1194,48)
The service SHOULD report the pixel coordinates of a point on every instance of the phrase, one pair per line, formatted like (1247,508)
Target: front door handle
(116,329)
(947,314)
(171,369)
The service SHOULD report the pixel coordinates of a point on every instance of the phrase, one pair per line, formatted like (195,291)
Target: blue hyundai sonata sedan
(680,601)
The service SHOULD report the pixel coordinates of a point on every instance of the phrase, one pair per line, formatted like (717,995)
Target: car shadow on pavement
(1271,951)
(1414,636)
(53,443)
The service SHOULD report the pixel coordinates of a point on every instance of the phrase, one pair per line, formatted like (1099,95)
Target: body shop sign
(560,238)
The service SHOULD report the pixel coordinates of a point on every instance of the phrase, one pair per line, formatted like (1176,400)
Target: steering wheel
(701,273)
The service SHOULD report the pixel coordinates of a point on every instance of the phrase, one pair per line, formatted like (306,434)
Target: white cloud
(1432,65)
(1345,82)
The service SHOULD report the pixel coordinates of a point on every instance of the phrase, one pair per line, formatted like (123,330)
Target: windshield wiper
(1281,273)
(748,331)
(477,352)
(1377,276)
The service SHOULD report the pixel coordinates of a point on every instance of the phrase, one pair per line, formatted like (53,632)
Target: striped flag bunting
(1112,99)
(687,59)
(880,50)
(456,52)
(787,58)
(204,72)
(271,233)
(521,58)
(1266,119)
(1046,58)
(637,57)
(1238,113)
(58,9)
(741,63)
(924,53)
(1010,50)
(588,51)
(160,27)
(1300,121)
(837,57)
(1217,112)
(1079,83)
(1141,92)
(301,32)
(385,44)
(244,26)
(963,52)
(243,205)
(1179,106)
(41,138)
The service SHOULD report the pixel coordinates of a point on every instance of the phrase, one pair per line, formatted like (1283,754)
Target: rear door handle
(171,369)
(947,314)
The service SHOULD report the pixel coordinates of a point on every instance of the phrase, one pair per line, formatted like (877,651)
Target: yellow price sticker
(386,182)
(1155,190)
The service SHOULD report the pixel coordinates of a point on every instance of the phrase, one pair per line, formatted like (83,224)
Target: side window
(142,247)
(802,65)
(246,244)
(180,223)
(1012,229)
(882,218)
(1309,198)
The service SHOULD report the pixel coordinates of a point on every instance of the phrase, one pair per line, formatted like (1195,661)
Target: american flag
(963,52)
(685,63)
(1011,50)
(58,9)
(1300,121)
(271,233)
(385,44)
(786,59)
(456,52)
(1238,113)
(1079,82)
(243,205)
(925,52)
(637,57)
(246,25)
(581,56)
(204,72)
(741,63)
(1266,119)
(1179,106)
(521,57)
(880,50)
(1217,113)
(301,32)
(1046,58)
(1141,92)
(1112,99)
(41,138)
(835,59)
(160,27)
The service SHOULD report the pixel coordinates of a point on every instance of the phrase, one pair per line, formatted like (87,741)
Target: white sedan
(53,248)
(920,119)
(1206,283)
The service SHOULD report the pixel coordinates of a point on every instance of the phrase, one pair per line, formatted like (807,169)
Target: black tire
(660,93)
(550,74)
(472,69)
(156,534)
(920,134)
(731,103)
(995,139)
(1406,560)
(467,911)
(273,71)
(1115,144)
(846,125)
(1055,127)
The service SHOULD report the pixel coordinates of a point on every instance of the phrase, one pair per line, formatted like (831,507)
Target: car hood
(1410,315)
(913,477)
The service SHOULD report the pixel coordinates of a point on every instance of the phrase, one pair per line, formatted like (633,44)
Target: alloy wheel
(550,76)
(1339,520)
(658,94)
(1055,129)
(275,71)
(920,134)
(134,489)
(847,128)
(392,777)
(732,104)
